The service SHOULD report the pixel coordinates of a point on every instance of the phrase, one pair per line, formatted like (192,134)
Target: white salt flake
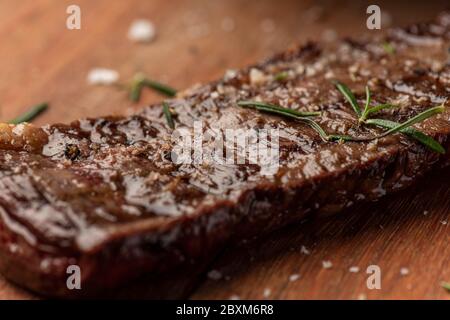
(327,264)
(404,271)
(214,275)
(267,292)
(257,76)
(354,269)
(102,76)
(444,222)
(215,95)
(234,297)
(304,250)
(425,212)
(142,31)
(294,277)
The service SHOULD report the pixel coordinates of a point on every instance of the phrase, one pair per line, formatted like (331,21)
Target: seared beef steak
(106,195)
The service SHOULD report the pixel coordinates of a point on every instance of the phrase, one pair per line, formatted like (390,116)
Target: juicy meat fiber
(104,194)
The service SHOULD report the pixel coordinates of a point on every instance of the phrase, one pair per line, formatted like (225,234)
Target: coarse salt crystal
(214,95)
(354,269)
(256,76)
(327,264)
(294,277)
(304,250)
(404,271)
(267,292)
(235,297)
(142,31)
(102,76)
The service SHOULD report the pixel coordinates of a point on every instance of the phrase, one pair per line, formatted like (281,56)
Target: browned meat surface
(105,194)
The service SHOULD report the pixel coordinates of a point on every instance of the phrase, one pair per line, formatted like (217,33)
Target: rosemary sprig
(168,115)
(140,81)
(445,285)
(411,132)
(404,128)
(348,94)
(350,97)
(31,114)
(277,109)
(392,126)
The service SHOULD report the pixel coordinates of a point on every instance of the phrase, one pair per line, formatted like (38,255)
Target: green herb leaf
(135,91)
(411,132)
(445,285)
(281,76)
(380,107)
(348,94)
(366,106)
(31,114)
(161,88)
(296,115)
(168,115)
(419,118)
(277,109)
(314,125)
(140,81)
(388,47)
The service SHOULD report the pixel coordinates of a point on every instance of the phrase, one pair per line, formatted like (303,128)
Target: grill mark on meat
(122,208)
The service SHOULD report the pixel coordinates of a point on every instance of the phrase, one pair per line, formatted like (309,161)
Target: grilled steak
(107,194)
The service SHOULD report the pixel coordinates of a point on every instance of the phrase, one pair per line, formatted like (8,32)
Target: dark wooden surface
(40,60)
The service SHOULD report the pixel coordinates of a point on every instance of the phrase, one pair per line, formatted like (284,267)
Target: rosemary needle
(445,285)
(366,107)
(277,109)
(135,91)
(411,132)
(348,94)
(31,114)
(140,81)
(291,113)
(168,115)
(161,88)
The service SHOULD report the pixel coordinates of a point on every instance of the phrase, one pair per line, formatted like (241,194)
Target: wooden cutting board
(41,60)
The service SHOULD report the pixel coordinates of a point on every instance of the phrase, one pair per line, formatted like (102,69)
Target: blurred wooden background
(41,60)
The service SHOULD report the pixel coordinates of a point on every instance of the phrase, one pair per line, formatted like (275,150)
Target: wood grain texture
(41,60)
